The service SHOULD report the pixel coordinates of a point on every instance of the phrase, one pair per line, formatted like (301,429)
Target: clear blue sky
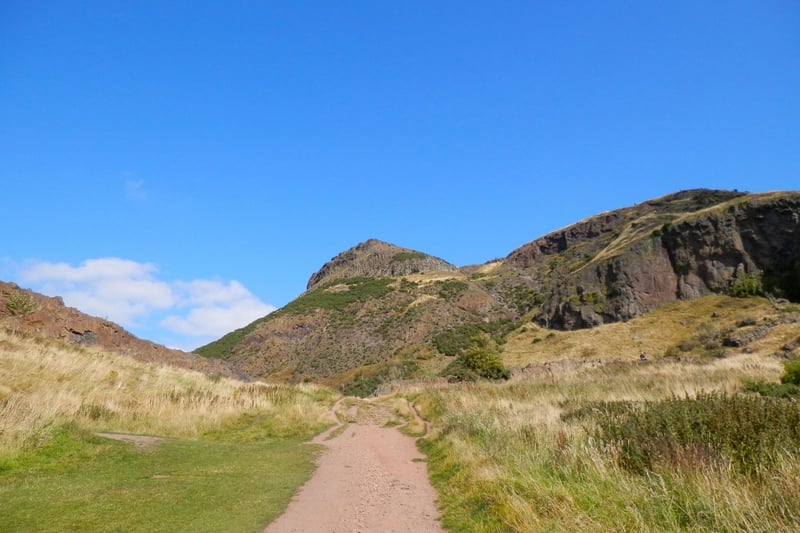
(181,167)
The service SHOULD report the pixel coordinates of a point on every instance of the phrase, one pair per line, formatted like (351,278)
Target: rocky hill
(380,310)
(375,259)
(26,312)
(620,265)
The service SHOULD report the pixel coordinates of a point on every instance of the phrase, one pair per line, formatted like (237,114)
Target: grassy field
(230,457)
(517,457)
(587,438)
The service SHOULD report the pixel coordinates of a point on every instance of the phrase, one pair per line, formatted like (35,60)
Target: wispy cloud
(212,308)
(188,313)
(134,190)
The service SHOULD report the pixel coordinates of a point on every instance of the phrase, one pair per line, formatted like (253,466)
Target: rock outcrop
(377,307)
(624,264)
(28,312)
(374,259)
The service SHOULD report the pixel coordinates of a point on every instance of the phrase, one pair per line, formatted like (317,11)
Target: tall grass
(505,458)
(42,382)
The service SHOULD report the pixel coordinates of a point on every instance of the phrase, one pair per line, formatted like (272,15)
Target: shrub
(482,359)
(791,373)
(366,385)
(20,303)
(747,431)
(451,288)
(773,390)
(407,256)
(456,340)
(746,285)
(358,290)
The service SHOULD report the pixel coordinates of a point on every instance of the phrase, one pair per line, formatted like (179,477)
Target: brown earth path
(370,478)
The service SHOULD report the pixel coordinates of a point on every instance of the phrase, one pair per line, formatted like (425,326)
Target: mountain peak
(374,258)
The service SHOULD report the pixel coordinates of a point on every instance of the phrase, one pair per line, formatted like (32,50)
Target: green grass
(357,290)
(532,455)
(399,257)
(79,482)
(222,348)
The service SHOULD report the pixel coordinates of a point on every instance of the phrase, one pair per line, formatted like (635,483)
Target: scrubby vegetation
(625,447)
(223,347)
(338,294)
(20,303)
(456,340)
(746,285)
(480,360)
(789,387)
(749,433)
(407,256)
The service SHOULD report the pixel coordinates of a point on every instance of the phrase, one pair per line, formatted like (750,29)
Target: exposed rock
(636,259)
(50,318)
(375,258)
(358,313)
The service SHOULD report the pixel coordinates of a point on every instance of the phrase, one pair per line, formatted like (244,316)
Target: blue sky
(184,167)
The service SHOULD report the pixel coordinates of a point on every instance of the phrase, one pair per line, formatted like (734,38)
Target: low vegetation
(481,360)
(657,446)
(231,443)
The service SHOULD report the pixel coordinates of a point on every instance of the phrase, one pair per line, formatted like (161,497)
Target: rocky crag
(27,312)
(381,308)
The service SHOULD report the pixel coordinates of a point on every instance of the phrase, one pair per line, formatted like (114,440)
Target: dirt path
(370,478)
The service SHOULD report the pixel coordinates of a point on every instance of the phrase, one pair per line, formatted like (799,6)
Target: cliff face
(748,239)
(378,304)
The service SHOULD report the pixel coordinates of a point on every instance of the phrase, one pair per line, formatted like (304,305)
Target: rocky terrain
(380,310)
(26,312)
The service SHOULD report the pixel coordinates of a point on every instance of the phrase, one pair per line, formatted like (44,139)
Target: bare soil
(370,478)
(142,441)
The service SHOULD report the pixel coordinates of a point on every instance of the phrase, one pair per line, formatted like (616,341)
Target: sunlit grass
(229,459)
(503,458)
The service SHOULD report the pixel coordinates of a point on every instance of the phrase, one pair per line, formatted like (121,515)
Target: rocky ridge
(374,259)
(367,311)
(27,312)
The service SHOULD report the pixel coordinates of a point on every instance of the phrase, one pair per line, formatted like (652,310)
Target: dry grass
(652,334)
(42,382)
(503,458)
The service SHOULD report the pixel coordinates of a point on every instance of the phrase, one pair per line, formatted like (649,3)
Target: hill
(27,312)
(378,312)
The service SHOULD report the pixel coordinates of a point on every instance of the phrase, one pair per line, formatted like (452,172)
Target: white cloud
(215,308)
(131,294)
(118,289)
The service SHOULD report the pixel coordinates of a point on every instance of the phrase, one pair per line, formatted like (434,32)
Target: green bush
(773,390)
(481,359)
(366,385)
(791,373)
(750,432)
(407,256)
(358,290)
(456,340)
(746,285)
(20,303)
(451,288)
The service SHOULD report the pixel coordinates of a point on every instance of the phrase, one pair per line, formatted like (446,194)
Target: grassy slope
(654,334)
(503,459)
(230,462)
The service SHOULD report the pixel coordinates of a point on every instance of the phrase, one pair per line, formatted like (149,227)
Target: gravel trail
(369,479)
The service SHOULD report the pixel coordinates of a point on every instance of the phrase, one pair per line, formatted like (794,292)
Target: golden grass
(652,334)
(44,381)
(503,458)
